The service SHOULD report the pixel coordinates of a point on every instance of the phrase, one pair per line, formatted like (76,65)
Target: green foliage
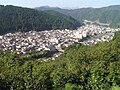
(13,19)
(80,67)
(115,88)
(108,15)
(69,86)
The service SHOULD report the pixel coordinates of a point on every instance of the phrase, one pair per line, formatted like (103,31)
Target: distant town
(55,40)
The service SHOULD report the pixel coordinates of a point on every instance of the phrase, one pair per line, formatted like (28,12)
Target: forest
(80,67)
(109,15)
(14,19)
(94,67)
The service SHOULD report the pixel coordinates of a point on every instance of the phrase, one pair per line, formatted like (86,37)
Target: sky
(61,3)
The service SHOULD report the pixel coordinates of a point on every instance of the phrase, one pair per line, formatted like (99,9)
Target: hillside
(95,67)
(13,18)
(79,67)
(109,15)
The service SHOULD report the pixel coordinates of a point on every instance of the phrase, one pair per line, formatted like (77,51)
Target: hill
(95,67)
(109,15)
(13,18)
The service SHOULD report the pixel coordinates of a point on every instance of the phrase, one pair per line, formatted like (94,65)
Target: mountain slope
(14,19)
(95,67)
(110,15)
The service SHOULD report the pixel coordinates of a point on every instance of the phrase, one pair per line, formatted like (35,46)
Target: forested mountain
(80,67)
(110,15)
(13,18)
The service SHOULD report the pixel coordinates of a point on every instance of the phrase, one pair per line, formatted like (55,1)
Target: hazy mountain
(13,18)
(110,14)
(48,8)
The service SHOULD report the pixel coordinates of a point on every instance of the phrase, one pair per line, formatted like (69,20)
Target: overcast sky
(61,3)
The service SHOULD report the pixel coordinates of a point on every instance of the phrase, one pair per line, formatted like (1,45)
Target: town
(55,40)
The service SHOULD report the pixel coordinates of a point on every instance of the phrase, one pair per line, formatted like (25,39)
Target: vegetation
(108,15)
(80,67)
(14,19)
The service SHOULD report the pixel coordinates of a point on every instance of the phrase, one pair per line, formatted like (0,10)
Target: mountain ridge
(14,18)
(109,14)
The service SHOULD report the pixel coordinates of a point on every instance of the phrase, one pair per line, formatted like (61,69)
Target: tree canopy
(13,19)
(95,67)
(109,15)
